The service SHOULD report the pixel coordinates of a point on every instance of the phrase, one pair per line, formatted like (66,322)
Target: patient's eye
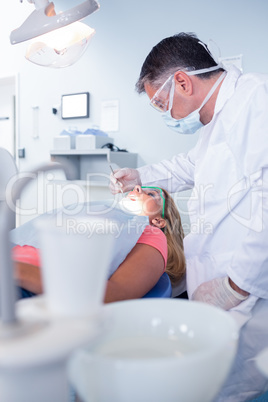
(152,194)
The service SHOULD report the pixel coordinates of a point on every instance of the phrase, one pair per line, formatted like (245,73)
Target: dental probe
(116,179)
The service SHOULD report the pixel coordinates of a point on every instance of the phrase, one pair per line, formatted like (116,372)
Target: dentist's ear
(183,83)
(159,222)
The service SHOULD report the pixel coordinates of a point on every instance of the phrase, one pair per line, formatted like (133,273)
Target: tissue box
(89,142)
(63,142)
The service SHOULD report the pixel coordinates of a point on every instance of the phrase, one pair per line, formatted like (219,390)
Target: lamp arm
(39,3)
(7,286)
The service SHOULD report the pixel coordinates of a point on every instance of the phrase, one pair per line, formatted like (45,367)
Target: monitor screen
(75,106)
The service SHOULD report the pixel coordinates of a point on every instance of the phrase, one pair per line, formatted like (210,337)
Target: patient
(159,249)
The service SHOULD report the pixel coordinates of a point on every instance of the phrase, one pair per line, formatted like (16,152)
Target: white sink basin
(157,350)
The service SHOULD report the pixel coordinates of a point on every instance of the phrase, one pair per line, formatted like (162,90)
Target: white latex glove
(219,293)
(125,178)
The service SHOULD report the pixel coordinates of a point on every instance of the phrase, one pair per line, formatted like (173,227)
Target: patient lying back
(158,249)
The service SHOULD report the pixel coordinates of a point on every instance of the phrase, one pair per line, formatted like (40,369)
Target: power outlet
(21,152)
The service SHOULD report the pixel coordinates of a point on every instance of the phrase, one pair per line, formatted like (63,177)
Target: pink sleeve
(26,254)
(154,237)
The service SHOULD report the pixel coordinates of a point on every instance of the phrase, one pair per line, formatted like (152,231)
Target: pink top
(153,236)
(26,254)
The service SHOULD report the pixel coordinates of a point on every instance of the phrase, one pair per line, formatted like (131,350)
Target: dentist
(227,170)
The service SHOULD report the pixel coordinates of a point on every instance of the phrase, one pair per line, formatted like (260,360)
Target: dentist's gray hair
(181,51)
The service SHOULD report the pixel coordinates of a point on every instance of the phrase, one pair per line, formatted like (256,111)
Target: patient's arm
(28,276)
(137,274)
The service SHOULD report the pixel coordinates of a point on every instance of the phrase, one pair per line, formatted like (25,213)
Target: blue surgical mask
(191,123)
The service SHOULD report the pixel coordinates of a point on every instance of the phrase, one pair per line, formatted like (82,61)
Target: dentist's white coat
(228,171)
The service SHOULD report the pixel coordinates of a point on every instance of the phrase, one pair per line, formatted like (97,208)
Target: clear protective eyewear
(159,191)
(161,99)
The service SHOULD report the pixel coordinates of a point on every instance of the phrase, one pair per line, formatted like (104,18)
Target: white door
(7,114)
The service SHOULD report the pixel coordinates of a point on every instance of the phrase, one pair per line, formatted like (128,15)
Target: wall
(7,129)
(125,33)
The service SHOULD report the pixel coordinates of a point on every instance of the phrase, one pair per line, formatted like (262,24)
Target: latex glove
(219,293)
(125,178)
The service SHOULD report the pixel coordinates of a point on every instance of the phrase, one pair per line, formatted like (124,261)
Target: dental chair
(162,288)
(261,398)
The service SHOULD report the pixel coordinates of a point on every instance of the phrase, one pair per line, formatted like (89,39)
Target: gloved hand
(219,293)
(125,178)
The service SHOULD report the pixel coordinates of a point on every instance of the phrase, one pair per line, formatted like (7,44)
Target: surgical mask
(163,102)
(191,123)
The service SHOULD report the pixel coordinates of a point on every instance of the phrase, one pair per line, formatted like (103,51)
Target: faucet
(9,322)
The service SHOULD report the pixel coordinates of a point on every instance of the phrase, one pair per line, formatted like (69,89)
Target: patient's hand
(28,277)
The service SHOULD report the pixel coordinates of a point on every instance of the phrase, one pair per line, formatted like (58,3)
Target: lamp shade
(44,20)
(60,48)
(59,39)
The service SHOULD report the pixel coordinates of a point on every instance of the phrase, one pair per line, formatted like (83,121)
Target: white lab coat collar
(227,88)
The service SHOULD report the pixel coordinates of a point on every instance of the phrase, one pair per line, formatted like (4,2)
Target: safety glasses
(161,99)
(159,192)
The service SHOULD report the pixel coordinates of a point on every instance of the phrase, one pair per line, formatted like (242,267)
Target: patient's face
(144,201)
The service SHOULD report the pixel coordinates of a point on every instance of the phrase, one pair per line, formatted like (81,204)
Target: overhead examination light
(60,40)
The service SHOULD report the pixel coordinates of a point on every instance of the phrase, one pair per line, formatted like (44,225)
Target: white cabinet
(93,166)
(89,182)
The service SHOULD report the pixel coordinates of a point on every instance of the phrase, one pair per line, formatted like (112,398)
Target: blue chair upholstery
(162,288)
(261,398)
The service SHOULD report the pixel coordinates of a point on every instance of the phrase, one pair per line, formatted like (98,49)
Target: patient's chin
(132,207)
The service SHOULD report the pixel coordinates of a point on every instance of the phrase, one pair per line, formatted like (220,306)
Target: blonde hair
(173,230)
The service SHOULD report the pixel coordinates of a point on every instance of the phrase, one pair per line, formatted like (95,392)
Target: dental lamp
(60,39)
